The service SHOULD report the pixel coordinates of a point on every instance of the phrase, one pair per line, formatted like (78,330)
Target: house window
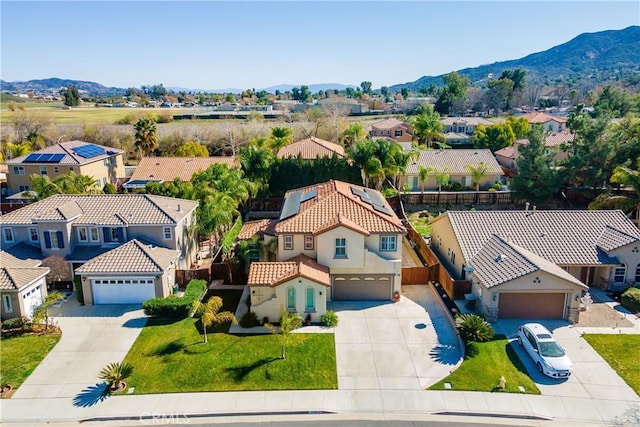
(288,242)
(413,183)
(82,234)
(43,170)
(638,273)
(54,239)
(33,234)
(6,299)
(398,132)
(619,273)
(24,188)
(464,181)
(453,258)
(308,243)
(341,247)
(291,299)
(167,233)
(18,170)
(104,181)
(388,243)
(8,234)
(310,300)
(114,234)
(93,234)
(56,169)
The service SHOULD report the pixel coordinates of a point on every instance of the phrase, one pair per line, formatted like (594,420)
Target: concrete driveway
(592,377)
(92,337)
(408,345)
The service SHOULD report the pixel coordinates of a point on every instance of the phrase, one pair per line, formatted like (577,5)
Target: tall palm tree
(423,174)
(353,133)
(442,178)
(146,137)
(363,155)
(280,136)
(288,323)
(215,213)
(477,175)
(256,163)
(41,312)
(629,178)
(210,314)
(427,127)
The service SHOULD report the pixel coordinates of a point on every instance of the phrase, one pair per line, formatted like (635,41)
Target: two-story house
(507,157)
(550,123)
(335,241)
(124,246)
(104,164)
(393,129)
(536,264)
(22,284)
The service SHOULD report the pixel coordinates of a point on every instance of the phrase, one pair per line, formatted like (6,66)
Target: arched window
(310,301)
(291,299)
(620,273)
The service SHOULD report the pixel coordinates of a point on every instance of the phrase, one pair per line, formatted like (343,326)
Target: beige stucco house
(311,148)
(103,164)
(82,229)
(535,264)
(392,128)
(341,240)
(549,122)
(507,157)
(22,285)
(455,162)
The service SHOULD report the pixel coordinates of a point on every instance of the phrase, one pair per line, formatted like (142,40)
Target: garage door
(531,305)
(31,300)
(357,287)
(122,291)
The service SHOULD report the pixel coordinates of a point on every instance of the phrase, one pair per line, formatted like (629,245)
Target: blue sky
(215,45)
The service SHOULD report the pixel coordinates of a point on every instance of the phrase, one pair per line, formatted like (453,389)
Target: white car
(549,357)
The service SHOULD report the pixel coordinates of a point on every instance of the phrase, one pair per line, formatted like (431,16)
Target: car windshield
(551,349)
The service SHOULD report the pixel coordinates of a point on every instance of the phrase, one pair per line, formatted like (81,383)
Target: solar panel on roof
(385,210)
(310,195)
(376,198)
(363,196)
(44,158)
(56,158)
(88,151)
(291,205)
(32,158)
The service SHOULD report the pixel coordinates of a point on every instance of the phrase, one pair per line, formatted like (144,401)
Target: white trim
(31,235)
(10,234)
(164,233)
(91,230)
(287,242)
(86,234)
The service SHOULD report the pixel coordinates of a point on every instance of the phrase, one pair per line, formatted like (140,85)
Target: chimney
(526,207)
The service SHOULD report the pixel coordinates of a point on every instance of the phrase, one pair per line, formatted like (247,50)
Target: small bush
(128,119)
(79,293)
(631,299)
(16,323)
(474,328)
(329,319)
(163,118)
(177,307)
(249,320)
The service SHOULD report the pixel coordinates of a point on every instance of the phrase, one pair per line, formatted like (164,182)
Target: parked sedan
(549,357)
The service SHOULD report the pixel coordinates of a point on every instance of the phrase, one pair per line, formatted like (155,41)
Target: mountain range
(605,53)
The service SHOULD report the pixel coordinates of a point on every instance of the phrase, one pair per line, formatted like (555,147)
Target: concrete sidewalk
(351,404)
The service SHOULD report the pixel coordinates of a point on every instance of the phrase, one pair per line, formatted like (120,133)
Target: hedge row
(174,306)
(631,299)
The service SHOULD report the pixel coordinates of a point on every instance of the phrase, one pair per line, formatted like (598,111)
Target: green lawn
(170,357)
(621,352)
(483,366)
(19,356)
(90,114)
(421,224)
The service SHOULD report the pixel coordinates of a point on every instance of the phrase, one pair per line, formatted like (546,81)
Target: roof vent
(526,207)
(534,208)
(501,258)
(179,208)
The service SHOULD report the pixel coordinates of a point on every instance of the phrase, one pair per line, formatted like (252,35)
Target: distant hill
(55,85)
(603,53)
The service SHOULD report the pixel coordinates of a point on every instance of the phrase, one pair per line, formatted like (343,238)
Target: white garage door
(360,287)
(122,291)
(32,299)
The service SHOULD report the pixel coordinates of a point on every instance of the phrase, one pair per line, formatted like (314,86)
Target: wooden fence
(183,277)
(459,198)
(419,275)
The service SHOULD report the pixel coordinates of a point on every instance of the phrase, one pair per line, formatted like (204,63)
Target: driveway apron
(408,345)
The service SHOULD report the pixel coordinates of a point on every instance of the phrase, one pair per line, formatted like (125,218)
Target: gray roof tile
(15,278)
(21,255)
(562,237)
(132,257)
(612,238)
(455,160)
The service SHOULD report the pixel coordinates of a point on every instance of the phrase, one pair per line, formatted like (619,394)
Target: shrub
(79,293)
(128,119)
(329,319)
(177,307)
(115,373)
(16,323)
(631,299)
(109,188)
(163,118)
(249,320)
(474,328)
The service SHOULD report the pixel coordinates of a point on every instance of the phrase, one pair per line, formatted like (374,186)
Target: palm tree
(474,328)
(256,164)
(214,213)
(353,133)
(210,314)
(288,322)
(629,178)
(477,175)
(423,174)
(442,178)
(42,187)
(146,137)
(427,127)
(363,155)
(280,136)
(115,373)
(42,311)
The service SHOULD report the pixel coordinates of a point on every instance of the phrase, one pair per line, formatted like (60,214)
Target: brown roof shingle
(183,168)
(275,273)
(311,148)
(251,228)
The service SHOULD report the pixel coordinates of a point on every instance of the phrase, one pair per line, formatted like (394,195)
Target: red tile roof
(311,148)
(273,274)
